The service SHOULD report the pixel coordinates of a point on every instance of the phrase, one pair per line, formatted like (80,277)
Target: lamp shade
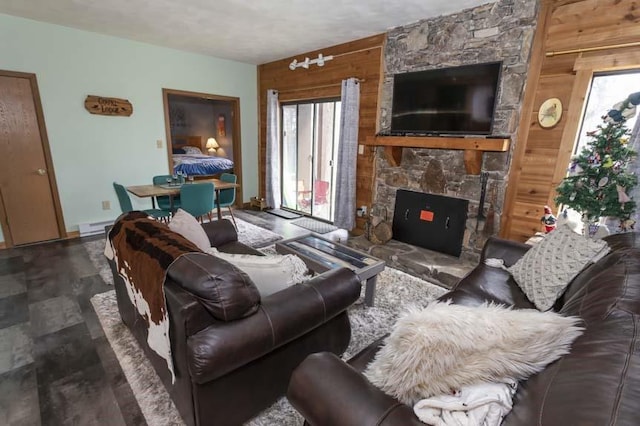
(212,144)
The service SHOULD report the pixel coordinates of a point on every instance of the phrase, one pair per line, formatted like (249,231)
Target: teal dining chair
(126,206)
(164,201)
(197,199)
(227,197)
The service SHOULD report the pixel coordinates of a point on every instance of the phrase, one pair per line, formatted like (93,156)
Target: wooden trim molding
(608,62)
(570,131)
(522,136)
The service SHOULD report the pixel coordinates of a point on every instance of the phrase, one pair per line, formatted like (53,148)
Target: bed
(188,158)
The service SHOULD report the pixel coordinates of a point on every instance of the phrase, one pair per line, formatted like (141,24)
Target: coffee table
(321,254)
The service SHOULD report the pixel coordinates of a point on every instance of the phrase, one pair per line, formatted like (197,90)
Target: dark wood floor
(56,365)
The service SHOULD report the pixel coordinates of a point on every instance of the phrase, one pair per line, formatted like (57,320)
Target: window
(606,91)
(310,134)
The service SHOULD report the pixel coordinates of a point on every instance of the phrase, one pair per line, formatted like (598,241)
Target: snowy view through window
(606,91)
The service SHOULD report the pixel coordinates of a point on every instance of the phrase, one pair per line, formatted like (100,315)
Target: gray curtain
(345,201)
(272,184)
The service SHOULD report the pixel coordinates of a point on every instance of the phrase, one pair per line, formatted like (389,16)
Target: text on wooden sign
(108,106)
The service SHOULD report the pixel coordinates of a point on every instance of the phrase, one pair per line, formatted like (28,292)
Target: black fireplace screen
(435,222)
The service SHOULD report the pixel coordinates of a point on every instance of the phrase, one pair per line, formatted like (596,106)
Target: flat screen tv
(458,100)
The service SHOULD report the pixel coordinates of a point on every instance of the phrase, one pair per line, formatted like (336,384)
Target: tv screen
(446,100)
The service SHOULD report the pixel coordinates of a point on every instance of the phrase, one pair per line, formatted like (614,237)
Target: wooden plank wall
(362,59)
(541,156)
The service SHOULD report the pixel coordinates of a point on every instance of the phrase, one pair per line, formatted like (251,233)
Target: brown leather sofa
(598,383)
(229,371)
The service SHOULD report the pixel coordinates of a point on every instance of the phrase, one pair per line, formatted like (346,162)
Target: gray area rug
(255,236)
(314,225)
(395,292)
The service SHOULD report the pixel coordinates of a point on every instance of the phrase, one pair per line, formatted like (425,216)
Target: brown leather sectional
(598,383)
(228,366)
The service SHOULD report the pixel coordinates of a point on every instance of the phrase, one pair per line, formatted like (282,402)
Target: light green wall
(91,151)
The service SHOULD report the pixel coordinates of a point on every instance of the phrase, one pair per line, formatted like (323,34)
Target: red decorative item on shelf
(548,219)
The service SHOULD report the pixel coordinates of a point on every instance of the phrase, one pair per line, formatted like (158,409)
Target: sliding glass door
(310,134)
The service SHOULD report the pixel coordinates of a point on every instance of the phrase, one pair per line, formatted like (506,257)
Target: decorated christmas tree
(599,179)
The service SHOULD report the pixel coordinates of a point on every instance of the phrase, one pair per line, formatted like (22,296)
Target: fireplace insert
(434,222)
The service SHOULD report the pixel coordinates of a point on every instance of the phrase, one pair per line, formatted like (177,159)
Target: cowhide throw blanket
(142,249)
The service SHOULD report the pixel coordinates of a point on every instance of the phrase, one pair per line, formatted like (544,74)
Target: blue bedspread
(196,165)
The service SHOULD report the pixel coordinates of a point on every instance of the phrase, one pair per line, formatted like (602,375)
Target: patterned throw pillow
(547,268)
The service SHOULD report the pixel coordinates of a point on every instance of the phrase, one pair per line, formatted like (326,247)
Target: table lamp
(212,145)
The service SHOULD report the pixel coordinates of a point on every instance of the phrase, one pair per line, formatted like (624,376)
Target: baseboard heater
(95,228)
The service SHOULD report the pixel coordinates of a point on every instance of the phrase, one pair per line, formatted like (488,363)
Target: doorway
(310,137)
(30,209)
(208,123)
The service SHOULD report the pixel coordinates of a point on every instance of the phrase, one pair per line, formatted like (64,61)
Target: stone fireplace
(501,31)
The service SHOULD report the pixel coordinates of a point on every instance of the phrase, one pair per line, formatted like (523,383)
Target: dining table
(171,190)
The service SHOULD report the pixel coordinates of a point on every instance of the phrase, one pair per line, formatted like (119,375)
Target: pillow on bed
(191,150)
(177,151)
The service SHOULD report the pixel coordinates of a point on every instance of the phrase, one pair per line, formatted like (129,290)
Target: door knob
(42,172)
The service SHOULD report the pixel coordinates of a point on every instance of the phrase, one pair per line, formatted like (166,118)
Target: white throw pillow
(187,226)
(443,347)
(548,267)
(270,273)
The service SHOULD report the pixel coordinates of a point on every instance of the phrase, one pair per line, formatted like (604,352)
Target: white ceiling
(251,31)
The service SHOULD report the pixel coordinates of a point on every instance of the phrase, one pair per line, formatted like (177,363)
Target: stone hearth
(500,31)
(431,266)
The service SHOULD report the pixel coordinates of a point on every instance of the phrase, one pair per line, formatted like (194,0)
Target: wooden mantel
(473,147)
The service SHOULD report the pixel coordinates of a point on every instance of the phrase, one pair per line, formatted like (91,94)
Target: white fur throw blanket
(445,347)
(484,404)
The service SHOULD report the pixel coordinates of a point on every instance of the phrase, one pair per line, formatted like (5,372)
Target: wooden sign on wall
(108,106)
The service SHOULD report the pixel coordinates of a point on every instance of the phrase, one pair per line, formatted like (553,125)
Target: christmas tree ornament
(593,228)
(616,166)
(622,195)
(608,161)
(602,182)
(572,196)
(594,160)
(626,225)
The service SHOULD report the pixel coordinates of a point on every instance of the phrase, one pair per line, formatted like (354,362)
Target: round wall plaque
(550,113)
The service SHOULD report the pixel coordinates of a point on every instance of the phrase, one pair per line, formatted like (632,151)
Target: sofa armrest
(509,251)
(282,317)
(327,391)
(185,310)
(220,232)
